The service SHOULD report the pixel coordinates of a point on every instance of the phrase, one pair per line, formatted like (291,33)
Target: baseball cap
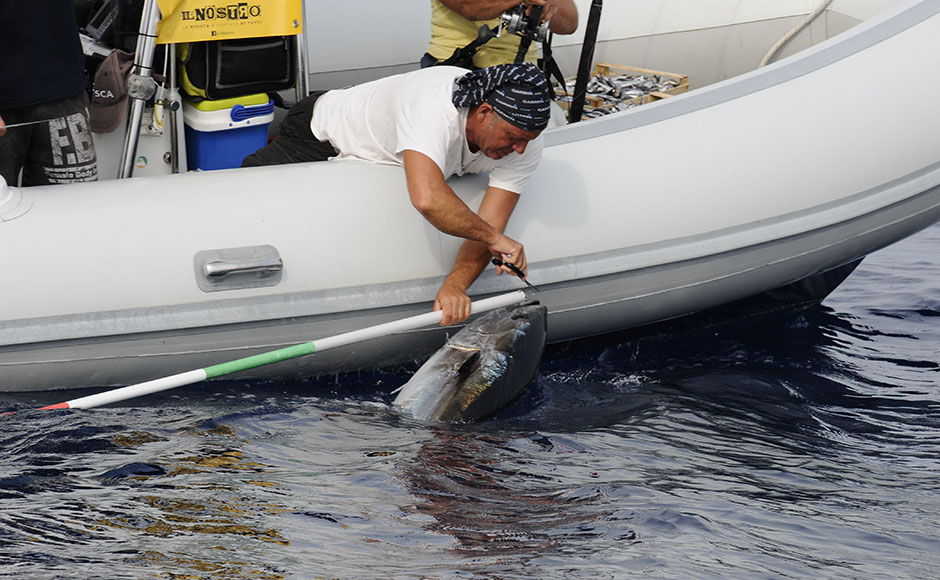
(109,94)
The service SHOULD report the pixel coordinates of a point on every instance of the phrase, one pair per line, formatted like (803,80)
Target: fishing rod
(529,28)
(587,59)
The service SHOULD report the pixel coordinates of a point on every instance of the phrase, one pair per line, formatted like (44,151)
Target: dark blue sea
(797,444)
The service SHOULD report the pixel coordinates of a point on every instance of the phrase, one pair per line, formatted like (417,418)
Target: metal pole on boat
(587,61)
(140,84)
(301,86)
(258,360)
(174,107)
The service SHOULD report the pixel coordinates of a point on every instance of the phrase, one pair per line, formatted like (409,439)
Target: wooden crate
(607,69)
(594,102)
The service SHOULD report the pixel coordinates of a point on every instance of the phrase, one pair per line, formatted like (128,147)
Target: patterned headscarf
(520,93)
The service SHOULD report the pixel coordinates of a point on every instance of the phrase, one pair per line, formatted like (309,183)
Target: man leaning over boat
(435,122)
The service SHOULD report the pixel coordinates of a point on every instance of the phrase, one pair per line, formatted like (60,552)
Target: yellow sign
(196,20)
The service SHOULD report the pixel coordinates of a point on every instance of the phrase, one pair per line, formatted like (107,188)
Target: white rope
(786,37)
(25,124)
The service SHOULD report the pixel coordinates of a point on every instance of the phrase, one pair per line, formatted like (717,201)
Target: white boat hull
(692,202)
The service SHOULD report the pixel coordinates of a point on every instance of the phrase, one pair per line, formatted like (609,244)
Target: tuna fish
(480,369)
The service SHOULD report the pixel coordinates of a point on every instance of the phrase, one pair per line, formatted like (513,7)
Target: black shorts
(295,142)
(57,149)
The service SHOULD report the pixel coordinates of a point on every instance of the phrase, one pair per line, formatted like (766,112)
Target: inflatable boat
(776,178)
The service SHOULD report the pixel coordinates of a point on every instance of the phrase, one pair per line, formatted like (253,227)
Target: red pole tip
(57,406)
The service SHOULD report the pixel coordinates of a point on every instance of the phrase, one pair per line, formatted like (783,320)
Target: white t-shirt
(377,121)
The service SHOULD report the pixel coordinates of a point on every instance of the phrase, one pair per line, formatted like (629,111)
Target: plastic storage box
(221,133)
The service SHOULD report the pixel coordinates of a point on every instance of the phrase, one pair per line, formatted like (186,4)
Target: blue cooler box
(220,134)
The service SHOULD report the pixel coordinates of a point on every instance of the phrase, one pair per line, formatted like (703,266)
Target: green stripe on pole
(259,360)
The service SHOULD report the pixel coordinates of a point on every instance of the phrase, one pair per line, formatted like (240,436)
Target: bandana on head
(520,93)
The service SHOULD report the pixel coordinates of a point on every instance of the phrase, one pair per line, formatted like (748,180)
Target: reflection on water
(468,482)
(793,445)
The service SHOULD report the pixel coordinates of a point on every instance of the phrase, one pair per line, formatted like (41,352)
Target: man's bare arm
(480,9)
(565,18)
(563,13)
(473,257)
(483,231)
(438,203)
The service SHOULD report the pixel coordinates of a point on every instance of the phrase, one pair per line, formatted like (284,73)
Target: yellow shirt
(450,31)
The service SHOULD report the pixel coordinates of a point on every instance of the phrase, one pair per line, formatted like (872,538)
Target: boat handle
(221,268)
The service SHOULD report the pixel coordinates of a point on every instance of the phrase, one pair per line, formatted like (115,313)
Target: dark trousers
(294,142)
(54,144)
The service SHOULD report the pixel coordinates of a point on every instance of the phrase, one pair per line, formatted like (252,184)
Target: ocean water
(799,444)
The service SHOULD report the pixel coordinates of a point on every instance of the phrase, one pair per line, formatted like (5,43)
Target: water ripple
(792,445)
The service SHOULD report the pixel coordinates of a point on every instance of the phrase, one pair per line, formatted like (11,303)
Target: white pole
(195,376)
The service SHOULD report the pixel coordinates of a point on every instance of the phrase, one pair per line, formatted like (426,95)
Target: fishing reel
(518,22)
(514,21)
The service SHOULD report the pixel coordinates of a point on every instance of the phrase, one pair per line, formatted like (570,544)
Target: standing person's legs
(14,143)
(60,150)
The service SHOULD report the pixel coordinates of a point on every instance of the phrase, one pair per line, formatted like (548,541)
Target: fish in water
(480,369)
